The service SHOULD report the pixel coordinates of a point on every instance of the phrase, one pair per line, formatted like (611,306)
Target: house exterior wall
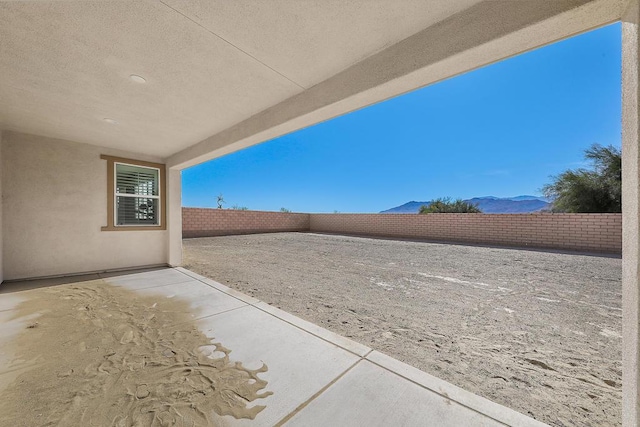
(55,202)
(1,198)
(203,222)
(582,232)
(174,211)
(631,215)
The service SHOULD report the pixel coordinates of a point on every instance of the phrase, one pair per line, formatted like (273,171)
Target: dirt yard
(539,332)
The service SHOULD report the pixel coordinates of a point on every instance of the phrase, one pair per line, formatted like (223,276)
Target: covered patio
(102,104)
(313,377)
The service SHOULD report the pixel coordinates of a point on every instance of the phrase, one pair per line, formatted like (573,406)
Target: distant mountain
(487,204)
(408,208)
(510,205)
(518,198)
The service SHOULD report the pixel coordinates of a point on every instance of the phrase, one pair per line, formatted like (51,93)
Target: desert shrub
(598,189)
(446,205)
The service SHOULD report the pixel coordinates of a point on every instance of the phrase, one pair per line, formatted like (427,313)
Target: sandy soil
(539,332)
(105,356)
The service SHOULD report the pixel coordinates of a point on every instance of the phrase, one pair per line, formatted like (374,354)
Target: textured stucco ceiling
(65,66)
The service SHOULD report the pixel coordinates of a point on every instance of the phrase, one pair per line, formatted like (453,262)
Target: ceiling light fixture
(138,79)
(108,120)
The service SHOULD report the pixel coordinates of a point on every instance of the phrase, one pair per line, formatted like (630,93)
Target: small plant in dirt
(446,205)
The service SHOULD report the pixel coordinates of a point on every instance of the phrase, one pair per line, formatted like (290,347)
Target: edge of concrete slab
(11,286)
(219,286)
(447,390)
(318,331)
(468,399)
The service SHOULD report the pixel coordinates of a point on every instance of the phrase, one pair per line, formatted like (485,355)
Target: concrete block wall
(204,222)
(580,232)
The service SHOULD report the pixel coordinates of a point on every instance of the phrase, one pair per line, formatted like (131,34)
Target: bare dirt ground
(539,332)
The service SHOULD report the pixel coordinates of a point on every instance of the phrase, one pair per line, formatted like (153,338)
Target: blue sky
(501,130)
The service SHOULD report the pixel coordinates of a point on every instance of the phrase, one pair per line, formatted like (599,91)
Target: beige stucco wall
(1,228)
(54,203)
(630,216)
(174,212)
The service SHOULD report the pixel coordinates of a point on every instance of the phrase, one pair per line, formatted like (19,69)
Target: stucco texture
(55,202)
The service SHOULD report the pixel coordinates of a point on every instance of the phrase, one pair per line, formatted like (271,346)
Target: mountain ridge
(487,204)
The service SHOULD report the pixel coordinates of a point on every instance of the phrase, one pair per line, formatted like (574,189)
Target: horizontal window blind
(136,180)
(136,211)
(137,195)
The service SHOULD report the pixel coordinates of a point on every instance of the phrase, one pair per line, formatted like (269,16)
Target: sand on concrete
(536,331)
(106,356)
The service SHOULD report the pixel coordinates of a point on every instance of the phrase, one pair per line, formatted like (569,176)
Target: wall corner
(2,136)
(174,220)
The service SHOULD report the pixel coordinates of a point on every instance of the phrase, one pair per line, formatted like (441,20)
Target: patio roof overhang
(221,76)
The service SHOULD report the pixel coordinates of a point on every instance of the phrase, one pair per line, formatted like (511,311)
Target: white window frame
(116,195)
(111,212)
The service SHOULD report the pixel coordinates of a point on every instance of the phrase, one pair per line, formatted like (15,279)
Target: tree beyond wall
(600,233)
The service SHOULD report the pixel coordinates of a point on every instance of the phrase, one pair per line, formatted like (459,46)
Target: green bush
(595,190)
(445,205)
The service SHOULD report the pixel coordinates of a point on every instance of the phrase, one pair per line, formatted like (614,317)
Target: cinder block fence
(580,232)
(584,232)
(203,222)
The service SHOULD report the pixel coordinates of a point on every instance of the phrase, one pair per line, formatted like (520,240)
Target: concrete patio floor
(317,377)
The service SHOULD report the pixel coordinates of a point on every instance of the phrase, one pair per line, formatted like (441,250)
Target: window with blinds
(137,195)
